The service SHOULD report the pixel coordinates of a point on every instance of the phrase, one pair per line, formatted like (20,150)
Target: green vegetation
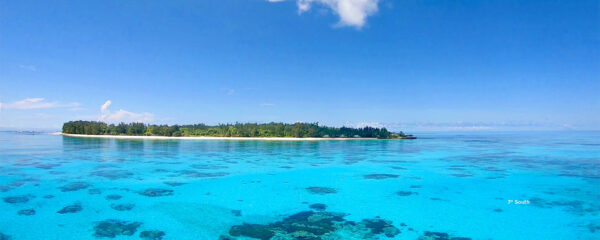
(226,130)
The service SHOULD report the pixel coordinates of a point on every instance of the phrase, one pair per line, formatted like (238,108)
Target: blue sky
(408,65)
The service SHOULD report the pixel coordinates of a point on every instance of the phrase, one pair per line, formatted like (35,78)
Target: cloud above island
(122,115)
(37,103)
(105,106)
(365,124)
(352,13)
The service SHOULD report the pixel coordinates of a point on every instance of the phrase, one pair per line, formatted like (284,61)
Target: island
(271,130)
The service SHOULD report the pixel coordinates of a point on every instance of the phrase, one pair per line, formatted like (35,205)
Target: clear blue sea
(536,185)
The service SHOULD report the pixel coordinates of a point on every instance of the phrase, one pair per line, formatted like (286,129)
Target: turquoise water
(56,187)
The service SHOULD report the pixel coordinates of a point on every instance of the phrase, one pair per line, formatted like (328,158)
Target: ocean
(480,185)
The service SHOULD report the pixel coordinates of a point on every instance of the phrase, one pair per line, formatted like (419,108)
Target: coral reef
(152,235)
(122,207)
(111,228)
(321,190)
(17,199)
(73,208)
(156,192)
(316,225)
(75,186)
(378,176)
(26,212)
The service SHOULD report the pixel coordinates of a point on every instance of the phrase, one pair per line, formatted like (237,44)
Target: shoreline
(210,138)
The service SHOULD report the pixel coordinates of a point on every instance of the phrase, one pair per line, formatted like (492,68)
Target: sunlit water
(56,187)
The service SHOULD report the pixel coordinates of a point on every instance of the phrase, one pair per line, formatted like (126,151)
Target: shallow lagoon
(441,186)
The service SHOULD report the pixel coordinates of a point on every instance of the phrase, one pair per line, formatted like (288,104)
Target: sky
(412,65)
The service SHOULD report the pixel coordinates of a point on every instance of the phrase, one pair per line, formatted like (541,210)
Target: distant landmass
(266,130)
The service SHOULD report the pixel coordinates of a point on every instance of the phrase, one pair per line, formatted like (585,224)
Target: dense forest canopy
(226,130)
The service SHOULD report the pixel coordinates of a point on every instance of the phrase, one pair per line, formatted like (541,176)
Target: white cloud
(125,116)
(365,124)
(122,115)
(351,12)
(36,103)
(105,106)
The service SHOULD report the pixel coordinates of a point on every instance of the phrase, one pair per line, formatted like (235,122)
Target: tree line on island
(300,130)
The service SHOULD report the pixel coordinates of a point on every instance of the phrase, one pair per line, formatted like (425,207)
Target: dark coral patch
(398,168)
(262,232)
(5,188)
(156,192)
(236,213)
(71,209)
(593,227)
(122,207)
(456,168)
(5,237)
(94,191)
(174,184)
(379,226)
(17,199)
(321,190)
(113,174)
(207,175)
(574,206)
(462,175)
(26,212)
(318,206)
(74,186)
(111,228)
(46,165)
(405,193)
(436,235)
(440,236)
(378,176)
(315,225)
(17,183)
(353,159)
(493,169)
(113,197)
(152,235)
(498,210)
(56,172)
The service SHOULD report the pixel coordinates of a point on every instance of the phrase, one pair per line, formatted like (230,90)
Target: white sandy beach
(209,138)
